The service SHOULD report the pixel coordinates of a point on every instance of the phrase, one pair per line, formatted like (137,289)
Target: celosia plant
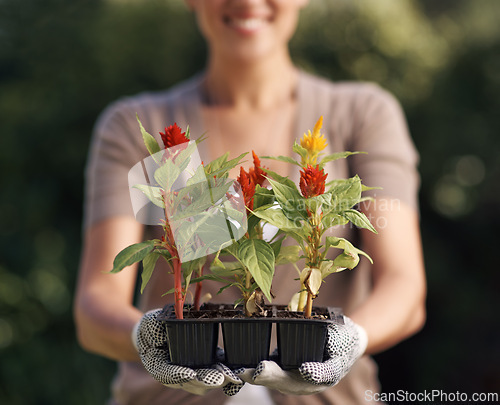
(306,214)
(196,217)
(253,259)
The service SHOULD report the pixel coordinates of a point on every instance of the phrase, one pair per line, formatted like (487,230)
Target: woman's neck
(250,86)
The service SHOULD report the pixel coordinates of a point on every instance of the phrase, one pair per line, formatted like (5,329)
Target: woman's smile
(246,25)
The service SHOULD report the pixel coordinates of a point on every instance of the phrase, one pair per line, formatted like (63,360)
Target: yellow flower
(314,143)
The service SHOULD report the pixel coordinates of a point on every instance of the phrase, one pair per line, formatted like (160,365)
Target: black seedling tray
(192,341)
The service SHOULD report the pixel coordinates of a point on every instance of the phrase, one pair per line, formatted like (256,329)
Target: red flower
(173,136)
(312,181)
(256,172)
(247,187)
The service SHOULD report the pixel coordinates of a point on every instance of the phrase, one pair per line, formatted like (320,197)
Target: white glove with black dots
(149,337)
(346,343)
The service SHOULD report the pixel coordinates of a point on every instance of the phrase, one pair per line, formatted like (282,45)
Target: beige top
(357,116)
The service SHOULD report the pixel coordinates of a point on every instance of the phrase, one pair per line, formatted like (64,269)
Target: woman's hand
(346,343)
(150,339)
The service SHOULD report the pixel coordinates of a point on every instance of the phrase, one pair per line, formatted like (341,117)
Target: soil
(214,311)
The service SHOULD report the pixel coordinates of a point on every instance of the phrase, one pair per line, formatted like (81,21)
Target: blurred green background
(63,61)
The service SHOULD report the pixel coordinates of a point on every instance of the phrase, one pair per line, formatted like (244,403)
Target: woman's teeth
(246,23)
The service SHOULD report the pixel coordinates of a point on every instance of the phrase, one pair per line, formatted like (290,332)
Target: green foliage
(148,266)
(132,254)
(150,142)
(296,215)
(258,257)
(195,222)
(62,62)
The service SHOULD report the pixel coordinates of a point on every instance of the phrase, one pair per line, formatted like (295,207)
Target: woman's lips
(246,24)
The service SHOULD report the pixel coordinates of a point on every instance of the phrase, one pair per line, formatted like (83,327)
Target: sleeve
(391,159)
(115,147)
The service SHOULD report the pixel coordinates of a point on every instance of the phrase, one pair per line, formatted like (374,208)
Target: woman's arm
(395,308)
(103,309)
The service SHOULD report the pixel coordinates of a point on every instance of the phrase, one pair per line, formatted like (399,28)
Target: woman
(252,97)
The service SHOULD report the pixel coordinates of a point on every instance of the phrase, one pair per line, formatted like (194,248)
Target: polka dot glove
(346,343)
(149,337)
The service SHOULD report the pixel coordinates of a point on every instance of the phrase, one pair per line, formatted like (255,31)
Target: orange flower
(256,172)
(173,136)
(312,181)
(247,187)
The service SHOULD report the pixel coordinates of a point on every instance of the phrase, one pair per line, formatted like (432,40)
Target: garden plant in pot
(305,215)
(198,204)
(202,212)
(252,260)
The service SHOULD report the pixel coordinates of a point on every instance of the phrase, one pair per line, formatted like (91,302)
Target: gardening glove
(345,344)
(149,337)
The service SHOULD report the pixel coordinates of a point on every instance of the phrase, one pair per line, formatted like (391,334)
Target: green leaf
(167,174)
(239,301)
(193,265)
(288,254)
(216,164)
(220,166)
(262,196)
(366,188)
(290,200)
(342,195)
(276,217)
(285,159)
(171,291)
(199,176)
(216,262)
(346,260)
(337,156)
(186,274)
(359,219)
(229,269)
(226,287)
(348,247)
(148,265)
(301,151)
(279,178)
(200,197)
(155,194)
(333,219)
(252,222)
(276,245)
(232,249)
(182,155)
(165,254)
(150,142)
(315,204)
(258,257)
(132,254)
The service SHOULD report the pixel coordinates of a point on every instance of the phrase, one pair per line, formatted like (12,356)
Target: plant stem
(197,294)
(247,312)
(246,296)
(248,280)
(313,254)
(178,293)
(309,303)
(169,241)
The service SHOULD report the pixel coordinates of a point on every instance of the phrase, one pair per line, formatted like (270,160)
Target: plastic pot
(304,340)
(191,342)
(246,341)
